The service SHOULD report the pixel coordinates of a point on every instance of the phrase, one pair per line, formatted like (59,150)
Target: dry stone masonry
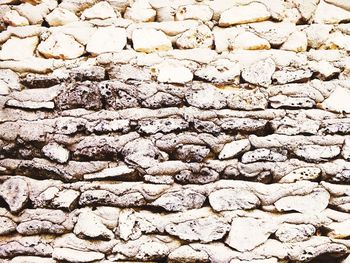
(175,131)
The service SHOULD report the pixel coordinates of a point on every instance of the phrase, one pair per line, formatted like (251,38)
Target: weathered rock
(202,229)
(304,173)
(72,255)
(249,41)
(295,233)
(15,193)
(197,12)
(339,229)
(18,48)
(200,37)
(150,40)
(59,45)
(140,14)
(243,229)
(205,96)
(312,203)
(269,155)
(260,72)
(296,42)
(14,19)
(7,226)
(60,16)
(56,152)
(220,71)
(316,153)
(330,14)
(101,10)
(247,100)
(90,226)
(234,148)
(232,199)
(107,39)
(254,12)
(337,101)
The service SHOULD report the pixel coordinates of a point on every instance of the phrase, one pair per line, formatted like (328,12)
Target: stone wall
(174,131)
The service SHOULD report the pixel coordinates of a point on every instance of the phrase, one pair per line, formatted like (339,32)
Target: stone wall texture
(178,131)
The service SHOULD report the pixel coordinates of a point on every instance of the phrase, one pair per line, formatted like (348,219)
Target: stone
(337,101)
(140,14)
(32,259)
(14,19)
(306,8)
(339,229)
(169,73)
(243,229)
(233,199)
(60,45)
(234,148)
(247,100)
(18,49)
(200,37)
(114,172)
(304,173)
(346,149)
(312,203)
(187,254)
(56,152)
(150,40)
(330,14)
(101,10)
(263,154)
(107,39)
(66,199)
(205,96)
(9,81)
(296,42)
(288,75)
(317,153)
(15,193)
(195,12)
(72,255)
(253,12)
(249,41)
(60,17)
(7,226)
(260,72)
(289,233)
(317,34)
(90,226)
(202,229)
(340,3)
(220,71)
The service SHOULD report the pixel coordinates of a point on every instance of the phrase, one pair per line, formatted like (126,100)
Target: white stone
(18,49)
(59,45)
(32,259)
(346,149)
(196,12)
(56,152)
(107,39)
(66,199)
(220,71)
(60,17)
(312,203)
(101,10)
(295,233)
(330,14)
(248,233)
(345,4)
(259,72)
(140,14)
(113,172)
(169,73)
(233,199)
(317,153)
(253,12)
(72,255)
(31,12)
(338,101)
(89,225)
(339,229)
(14,19)
(7,226)
(250,41)
(234,148)
(338,40)
(296,42)
(150,40)
(304,173)
(200,37)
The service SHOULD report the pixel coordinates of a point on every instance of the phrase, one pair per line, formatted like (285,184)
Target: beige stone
(249,41)
(340,3)
(338,101)
(253,12)
(169,73)
(330,14)
(296,42)
(60,17)
(140,14)
(200,37)
(101,10)
(234,148)
(14,19)
(196,12)
(150,40)
(18,49)
(107,39)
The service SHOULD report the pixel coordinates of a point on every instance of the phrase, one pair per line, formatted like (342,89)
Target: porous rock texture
(174,131)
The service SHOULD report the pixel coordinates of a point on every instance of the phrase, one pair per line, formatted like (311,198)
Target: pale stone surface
(253,12)
(198,12)
(140,14)
(339,229)
(56,152)
(310,204)
(60,17)
(330,14)
(18,49)
(295,233)
(341,3)
(174,74)
(200,37)
(259,72)
(101,10)
(73,255)
(107,39)
(316,153)
(59,45)
(242,229)
(15,193)
(338,101)
(296,42)
(250,41)
(234,148)
(7,226)
(231,199)
(14,19)
(220,71)
(150,40)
